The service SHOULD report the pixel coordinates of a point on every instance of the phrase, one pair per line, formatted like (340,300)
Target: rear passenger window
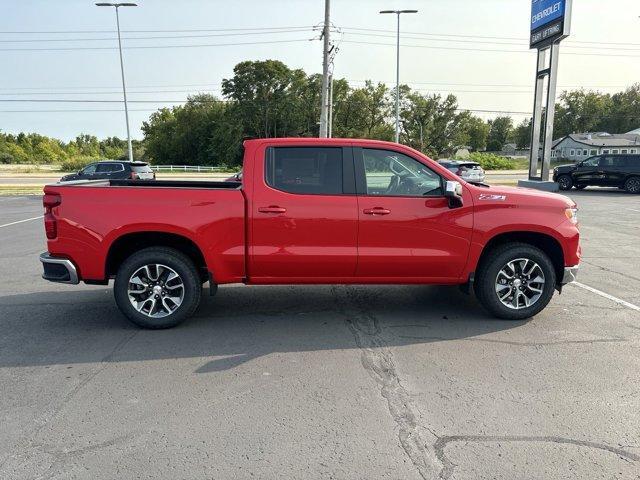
(305,170)
(109,167)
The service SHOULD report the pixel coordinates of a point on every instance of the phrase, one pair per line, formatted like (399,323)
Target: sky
(477,50)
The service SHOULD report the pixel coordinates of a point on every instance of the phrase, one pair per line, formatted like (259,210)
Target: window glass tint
(90,170)
(607,161)
(305,170)
(141,168)
(395,174)
(109,167)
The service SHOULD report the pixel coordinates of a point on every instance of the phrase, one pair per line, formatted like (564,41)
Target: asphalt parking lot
(324,382)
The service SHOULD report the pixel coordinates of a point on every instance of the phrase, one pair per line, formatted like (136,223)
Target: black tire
(632,185)
(487,274)
(580,187)
(175,260)
(565,182)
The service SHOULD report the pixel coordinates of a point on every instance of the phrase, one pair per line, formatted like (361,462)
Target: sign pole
(550,24)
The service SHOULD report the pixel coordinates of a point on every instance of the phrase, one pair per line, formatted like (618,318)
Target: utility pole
(124,88)
(330,109)
(398,13)
(324,108)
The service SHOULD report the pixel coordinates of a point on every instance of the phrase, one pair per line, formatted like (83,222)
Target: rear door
(614,169)
(304,217)
(406,229)
(110,170)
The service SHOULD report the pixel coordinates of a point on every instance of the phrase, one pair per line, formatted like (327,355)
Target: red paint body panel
(91,218)
(245,236)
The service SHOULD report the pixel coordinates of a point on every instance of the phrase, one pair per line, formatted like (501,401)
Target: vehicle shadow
(595,191)
(236,326)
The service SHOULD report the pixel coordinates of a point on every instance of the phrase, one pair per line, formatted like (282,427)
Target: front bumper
(570,274)
(59,270)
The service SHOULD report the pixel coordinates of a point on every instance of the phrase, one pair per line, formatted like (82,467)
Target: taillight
(49,201)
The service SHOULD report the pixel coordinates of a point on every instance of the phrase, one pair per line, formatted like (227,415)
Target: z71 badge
(491,196)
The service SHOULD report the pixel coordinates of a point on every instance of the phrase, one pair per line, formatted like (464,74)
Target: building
(580,146)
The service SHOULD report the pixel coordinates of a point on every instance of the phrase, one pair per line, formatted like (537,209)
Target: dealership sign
(550,21)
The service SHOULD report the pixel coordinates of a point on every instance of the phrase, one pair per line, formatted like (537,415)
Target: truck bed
(151,184)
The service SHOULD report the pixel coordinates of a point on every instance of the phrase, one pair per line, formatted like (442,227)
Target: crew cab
(311,211)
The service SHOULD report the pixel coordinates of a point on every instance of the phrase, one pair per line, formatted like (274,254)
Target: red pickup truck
(311,211)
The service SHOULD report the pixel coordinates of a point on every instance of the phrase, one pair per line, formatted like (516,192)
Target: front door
(407,230)
(304,217)
(587,173)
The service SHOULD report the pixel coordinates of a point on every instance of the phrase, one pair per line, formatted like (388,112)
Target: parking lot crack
(377,359)
(448,466)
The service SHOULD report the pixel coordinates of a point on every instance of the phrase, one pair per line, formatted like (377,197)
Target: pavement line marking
(21,221)
(606,295)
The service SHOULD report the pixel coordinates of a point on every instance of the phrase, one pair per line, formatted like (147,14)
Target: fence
(185,168)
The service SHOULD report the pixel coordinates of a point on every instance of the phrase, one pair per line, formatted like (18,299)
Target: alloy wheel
(520,283)
(155,290)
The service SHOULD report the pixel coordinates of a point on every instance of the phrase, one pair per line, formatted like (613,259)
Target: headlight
(572,214)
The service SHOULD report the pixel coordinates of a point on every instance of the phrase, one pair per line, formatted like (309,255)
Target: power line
(519,44)
(524,40)
(485,49)
(152,31)
(146,47)
(157,37)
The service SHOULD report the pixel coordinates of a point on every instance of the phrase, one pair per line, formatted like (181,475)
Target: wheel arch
(547,243)
(129,243)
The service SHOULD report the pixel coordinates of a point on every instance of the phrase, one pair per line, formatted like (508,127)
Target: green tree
(522,135)
(499,132)
(583,111)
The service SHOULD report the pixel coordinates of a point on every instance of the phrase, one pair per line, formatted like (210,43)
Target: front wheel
(515,281)
(157,288)
(632,185)
(565,182)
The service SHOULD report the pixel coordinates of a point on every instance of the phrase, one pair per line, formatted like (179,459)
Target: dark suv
(113,170)
(622,171)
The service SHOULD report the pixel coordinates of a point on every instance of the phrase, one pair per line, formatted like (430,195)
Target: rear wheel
(565,182)
(157,288)
(516,281)
(632,185)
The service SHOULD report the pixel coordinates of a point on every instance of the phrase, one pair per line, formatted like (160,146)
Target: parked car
(622,171)
(469,171)
(236,177)
(311,211)
(113,170)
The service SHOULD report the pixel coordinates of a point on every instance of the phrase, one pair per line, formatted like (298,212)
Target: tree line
(269,99)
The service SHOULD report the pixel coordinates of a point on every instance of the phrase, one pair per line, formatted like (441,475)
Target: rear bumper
(570,274)
(59,270)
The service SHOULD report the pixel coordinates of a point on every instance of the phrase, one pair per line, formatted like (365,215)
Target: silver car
(469,171)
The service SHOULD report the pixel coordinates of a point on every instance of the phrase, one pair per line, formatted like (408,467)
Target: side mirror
(453,192)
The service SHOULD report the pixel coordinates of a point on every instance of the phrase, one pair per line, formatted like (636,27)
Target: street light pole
(398,12)
(124,88)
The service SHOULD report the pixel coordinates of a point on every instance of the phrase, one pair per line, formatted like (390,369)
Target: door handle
(272,209)
(376,211)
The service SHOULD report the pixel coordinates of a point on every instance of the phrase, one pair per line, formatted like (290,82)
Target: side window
(607,161)
(305,170)
(109,167)
(592,162)
(389,173)
(90,170)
